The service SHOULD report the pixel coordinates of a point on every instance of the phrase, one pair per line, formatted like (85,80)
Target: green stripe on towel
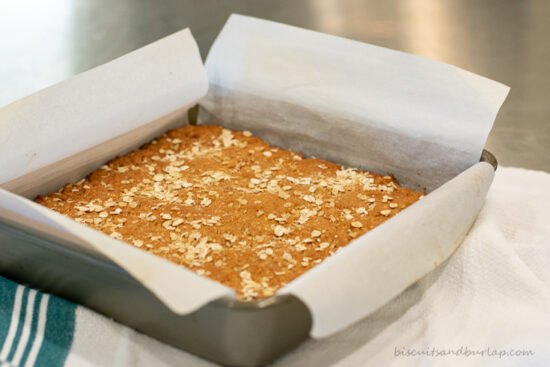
(36,329)
(7,292)
(20,324)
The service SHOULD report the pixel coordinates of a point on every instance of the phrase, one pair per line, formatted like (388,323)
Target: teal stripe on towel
(58,337)
(34,325)
(20,324)
(7,296)
(58,333)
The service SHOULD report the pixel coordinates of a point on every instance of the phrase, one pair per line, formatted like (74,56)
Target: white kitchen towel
(488,305)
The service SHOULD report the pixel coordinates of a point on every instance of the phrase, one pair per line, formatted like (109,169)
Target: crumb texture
(229,206)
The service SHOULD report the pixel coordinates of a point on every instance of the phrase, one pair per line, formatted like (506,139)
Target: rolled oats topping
(229,206)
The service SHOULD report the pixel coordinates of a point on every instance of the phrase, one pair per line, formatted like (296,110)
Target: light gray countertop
(42,43)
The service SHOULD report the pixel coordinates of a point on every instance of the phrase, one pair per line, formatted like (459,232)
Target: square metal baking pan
(226,331)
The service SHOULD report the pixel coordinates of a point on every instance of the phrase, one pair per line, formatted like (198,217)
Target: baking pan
(226,331)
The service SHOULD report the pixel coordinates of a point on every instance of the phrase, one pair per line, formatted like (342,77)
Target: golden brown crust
(230,206)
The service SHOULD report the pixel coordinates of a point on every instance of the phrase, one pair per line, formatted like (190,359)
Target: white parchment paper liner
(62,133)
(349,102)
(362,106)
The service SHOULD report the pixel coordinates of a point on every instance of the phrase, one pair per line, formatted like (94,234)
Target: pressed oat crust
(231,207)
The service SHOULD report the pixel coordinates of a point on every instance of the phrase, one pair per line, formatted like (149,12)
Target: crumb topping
(229,206)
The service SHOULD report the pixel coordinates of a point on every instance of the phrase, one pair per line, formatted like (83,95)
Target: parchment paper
(348,102)
(370,107)
(64,132)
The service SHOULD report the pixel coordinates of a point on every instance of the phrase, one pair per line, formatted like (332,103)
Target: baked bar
(229,206)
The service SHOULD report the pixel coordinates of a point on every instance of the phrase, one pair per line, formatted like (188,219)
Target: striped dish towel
(35,328)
